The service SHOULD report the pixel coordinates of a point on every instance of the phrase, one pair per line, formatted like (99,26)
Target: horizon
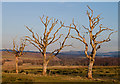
(60,52)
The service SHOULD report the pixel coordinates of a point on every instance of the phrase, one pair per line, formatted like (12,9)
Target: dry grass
(13,77)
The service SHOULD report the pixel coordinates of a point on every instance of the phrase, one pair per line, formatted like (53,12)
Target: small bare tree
(95,45)
(42,43)
(17,51)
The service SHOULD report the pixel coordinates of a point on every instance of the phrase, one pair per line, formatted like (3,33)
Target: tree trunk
(44,64)
(44,68)
(16,64)
(90,69)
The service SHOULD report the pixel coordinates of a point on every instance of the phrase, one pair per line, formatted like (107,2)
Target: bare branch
(17,47)
(75,28)
(56,39)
(33,35)
(100,31)
(76,38)
(66,38)
(91,11)
(49,20)
(93,21)
(98,47)
(86,50)
(106,40)
(34,45)
(37,37)
(18,50)
(51,28)
(36,40)
(22,46)
(86,28)
(80,38)
(54,35)
(12,51)
(42,19)
(13,45)
(62,46)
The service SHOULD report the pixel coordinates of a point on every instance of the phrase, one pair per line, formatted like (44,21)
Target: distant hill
(23,51)
(80,53)
(100,54)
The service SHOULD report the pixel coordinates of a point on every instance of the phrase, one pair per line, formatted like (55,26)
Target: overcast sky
(16,15)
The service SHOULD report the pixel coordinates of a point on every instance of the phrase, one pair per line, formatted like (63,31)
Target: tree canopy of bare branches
(95,44)
(42,42)
(18,51)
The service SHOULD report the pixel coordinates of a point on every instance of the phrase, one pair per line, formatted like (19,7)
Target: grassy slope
(64,74)
(13,77)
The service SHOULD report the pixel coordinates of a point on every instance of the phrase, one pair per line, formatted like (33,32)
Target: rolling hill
(72,58)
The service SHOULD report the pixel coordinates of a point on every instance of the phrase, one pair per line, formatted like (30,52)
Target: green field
(63,74)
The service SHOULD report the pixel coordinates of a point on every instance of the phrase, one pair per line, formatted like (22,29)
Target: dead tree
(94,43)
(17,51)
(42,42)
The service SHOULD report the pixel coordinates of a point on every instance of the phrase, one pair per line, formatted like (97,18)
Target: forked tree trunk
(90,69)
(16,64)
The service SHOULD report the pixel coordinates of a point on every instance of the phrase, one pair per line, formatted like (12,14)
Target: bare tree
(17,51)
(42,43)
(95,45)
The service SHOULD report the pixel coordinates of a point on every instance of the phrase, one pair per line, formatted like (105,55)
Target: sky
(15,15)
(60,0)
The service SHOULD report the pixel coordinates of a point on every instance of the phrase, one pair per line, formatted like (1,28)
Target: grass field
(63,74)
